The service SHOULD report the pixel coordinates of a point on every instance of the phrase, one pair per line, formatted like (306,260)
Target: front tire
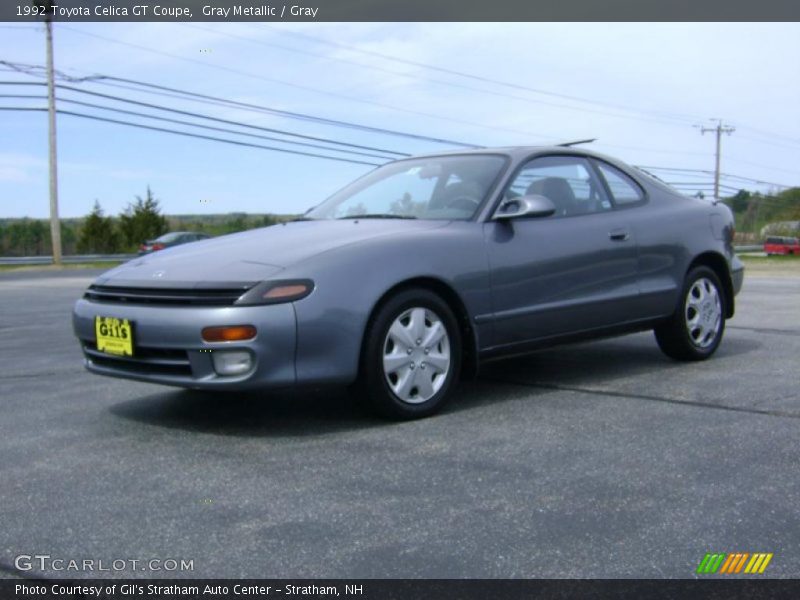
(695,329)
(411,356)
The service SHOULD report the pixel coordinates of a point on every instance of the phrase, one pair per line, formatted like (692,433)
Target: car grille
(166,296)
(155,361)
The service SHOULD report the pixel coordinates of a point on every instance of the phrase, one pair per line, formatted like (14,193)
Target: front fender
(350,281)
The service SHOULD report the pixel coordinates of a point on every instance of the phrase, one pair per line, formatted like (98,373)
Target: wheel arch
(717,263)
(469,342)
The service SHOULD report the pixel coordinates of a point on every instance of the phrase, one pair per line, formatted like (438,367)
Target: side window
(567,181)
(623,190)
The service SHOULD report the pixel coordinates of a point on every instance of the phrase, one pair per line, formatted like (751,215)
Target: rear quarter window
(624,191)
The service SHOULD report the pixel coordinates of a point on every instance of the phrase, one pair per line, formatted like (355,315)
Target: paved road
(597,460)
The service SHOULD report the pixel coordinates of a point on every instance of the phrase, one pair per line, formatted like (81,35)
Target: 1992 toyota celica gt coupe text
(414,274)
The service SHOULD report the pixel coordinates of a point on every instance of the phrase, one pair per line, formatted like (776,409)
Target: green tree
(237,222)
(739,201)
(21,238)
(39,235)
(97,234)
(142,220)
(69,238)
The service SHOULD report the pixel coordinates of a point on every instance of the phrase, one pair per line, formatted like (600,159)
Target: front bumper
(169,349)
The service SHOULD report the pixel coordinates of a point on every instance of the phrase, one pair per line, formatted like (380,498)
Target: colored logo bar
(734,562)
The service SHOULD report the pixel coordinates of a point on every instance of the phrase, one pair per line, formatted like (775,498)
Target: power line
(758,140)
(768,167)
(679,117)
(216,139)
(722,174)
(190,124)
(774,135)
(294,115)
(282,113)
(227,121)
(303,87)
(241,124)
(508,84)
(207,117)
(105,80)
(451,84)
(193,135)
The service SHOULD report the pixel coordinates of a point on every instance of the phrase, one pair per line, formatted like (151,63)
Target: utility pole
(719,130)
(55,223)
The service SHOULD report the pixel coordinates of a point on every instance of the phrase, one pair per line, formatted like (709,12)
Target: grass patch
(776,259)
(771,266)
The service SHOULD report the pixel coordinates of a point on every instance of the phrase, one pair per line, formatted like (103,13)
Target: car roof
(518,152)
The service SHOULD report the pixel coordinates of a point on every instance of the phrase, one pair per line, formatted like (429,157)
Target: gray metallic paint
(522,282)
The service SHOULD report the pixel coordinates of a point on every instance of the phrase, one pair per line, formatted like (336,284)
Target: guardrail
(91,258)
(72,259)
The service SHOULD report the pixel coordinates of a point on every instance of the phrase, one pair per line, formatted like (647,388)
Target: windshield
(442,187)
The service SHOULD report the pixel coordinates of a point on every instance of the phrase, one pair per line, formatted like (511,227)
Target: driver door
(567,273)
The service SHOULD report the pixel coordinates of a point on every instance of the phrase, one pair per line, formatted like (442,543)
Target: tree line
(753,211)
(142,220)
(100,234)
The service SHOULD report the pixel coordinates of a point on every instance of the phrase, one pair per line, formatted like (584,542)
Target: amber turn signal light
(231,333)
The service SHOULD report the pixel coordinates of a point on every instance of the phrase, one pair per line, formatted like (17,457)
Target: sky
(641,89)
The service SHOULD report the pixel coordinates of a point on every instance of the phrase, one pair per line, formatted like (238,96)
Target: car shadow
(289,413)
(600,361)
(295,413)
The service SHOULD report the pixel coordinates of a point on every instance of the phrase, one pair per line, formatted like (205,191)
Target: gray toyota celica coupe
(411,276)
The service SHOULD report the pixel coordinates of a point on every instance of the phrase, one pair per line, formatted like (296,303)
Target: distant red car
(782,245)
(167,240)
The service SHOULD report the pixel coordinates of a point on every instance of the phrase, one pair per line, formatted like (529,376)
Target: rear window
(169,237)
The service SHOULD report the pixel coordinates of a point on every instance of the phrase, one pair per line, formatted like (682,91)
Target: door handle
(619,235)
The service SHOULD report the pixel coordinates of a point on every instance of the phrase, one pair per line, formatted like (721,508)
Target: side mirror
(525,206)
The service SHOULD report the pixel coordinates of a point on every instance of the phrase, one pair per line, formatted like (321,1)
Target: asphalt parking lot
(596,460)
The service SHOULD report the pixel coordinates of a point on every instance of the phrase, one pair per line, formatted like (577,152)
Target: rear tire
(695,329)
(411,356)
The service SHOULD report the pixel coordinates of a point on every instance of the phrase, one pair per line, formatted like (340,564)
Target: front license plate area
(114,336)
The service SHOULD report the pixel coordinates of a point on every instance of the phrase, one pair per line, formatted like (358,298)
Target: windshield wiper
(377,216)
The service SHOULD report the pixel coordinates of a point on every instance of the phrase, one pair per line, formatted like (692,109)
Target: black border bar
(403,589)
(409,10)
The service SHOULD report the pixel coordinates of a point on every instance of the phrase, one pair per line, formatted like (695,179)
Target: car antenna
(576,142)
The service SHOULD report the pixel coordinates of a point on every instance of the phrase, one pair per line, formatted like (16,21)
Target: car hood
(254,255)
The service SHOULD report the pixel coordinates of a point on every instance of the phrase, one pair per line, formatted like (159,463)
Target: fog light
(232,362)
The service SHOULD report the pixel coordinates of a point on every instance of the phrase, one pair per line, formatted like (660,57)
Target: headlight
(275,292)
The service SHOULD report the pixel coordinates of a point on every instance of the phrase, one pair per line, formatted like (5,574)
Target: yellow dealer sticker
(114,336)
